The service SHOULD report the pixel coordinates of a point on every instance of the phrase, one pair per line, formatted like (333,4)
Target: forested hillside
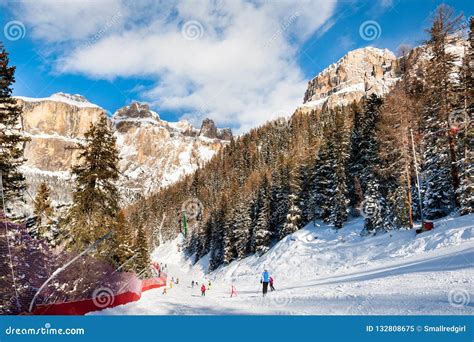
(332,163)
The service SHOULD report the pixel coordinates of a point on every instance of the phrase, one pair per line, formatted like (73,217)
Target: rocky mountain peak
(136,110)
(73,97)
(360,72)
(209,130)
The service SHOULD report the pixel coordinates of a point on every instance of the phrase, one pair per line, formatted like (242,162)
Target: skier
(164,291)
(177,281)
(264,281)
(233,291)
(271,284)
(209,285)
(203,290)
(192,284)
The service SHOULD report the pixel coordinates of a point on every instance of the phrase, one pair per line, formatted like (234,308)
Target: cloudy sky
(238,62)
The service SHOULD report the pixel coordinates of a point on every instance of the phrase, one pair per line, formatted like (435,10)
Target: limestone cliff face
(153,152)
(360,72)
(52,125)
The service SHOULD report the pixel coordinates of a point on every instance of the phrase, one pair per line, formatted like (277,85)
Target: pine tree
(262,230)
(279,202)
(230,250)
(95,206)
(373,208)
(465,192)
(354,184)
(340,200)
(293,217)
(305,181)
(439,160)
(11,141)
(398,115)
(242,226)
(321,193)
(43,209)
(218,219)
(142,259)
(364,160)
(122,242)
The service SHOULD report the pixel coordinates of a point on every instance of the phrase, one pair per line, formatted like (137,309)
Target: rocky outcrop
(360,72)
(136,111)
(208,129)
(225,134)
(154,153)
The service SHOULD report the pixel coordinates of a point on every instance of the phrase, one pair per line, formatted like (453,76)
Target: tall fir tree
(95,206)
(280,190)
(340,199)
(43,209)
(230,250)
(262,230)
(322,176)
(218,220)
(122,242)
(141,260)
(11,140)
(465,191)
(439,167)
(373,207)
(293,218)
(364,159)
(242,226)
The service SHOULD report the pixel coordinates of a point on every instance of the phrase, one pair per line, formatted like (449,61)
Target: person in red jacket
(233,291)
(272,288)
(203,290)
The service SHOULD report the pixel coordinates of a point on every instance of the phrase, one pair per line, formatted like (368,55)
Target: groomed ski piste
(322,271)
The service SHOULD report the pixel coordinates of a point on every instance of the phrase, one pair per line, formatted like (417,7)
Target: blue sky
(239,62)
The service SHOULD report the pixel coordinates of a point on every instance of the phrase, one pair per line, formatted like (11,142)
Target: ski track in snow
(321,271)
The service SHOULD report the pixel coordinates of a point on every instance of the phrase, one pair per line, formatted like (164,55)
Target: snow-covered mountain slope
(154,152)
(320,270)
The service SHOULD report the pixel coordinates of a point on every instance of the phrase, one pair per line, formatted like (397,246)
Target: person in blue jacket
(264,281)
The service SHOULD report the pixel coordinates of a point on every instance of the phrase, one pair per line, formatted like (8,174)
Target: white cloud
(240,71)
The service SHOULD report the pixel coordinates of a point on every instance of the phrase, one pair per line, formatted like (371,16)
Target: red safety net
(89,284)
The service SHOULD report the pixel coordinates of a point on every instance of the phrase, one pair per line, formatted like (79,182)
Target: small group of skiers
(171,282)
(266,280)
